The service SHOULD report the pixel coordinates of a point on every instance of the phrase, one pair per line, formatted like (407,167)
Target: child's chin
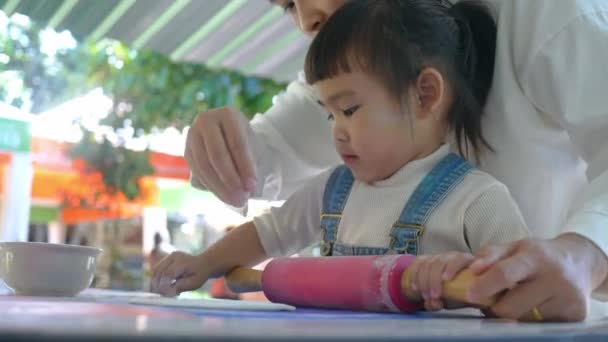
(369,177)
(364,177)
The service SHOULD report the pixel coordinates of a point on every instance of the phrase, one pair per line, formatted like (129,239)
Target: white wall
(15,210)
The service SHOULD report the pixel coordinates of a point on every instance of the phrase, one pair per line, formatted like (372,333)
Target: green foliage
(33,77)
(152,91)
(147,89)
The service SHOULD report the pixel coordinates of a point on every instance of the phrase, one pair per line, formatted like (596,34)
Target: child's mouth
(349,158)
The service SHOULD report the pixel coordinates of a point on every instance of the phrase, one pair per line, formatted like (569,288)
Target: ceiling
(250,36)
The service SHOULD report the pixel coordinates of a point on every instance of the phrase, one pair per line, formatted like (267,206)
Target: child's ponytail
(475,69)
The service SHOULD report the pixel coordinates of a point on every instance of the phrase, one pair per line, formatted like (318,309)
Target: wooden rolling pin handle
(454,290)
(241,280)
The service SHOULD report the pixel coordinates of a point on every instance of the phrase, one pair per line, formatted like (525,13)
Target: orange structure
(83,196)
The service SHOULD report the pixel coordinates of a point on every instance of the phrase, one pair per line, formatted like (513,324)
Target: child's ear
(430,87)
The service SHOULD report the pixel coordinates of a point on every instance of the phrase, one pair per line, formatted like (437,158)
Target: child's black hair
(395,40)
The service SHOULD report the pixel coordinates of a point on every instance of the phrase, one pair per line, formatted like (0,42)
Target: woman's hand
(219,156)
(549,280)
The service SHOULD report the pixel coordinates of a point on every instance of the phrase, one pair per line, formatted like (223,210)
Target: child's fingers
(436,304)
(169,269)
(159,270)
(170,277)
(423,277)
(433,305)
(412,273)
(435,281)
(488,313)
(165,287)
(173,288)
(177,271)
(456,264)
(188,283)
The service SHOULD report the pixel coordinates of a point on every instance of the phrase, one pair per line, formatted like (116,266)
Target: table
(113,319)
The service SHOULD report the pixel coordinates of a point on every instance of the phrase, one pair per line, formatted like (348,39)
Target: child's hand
(179,272)
(428,273)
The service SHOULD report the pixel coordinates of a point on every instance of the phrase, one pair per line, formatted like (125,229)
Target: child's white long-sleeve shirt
(479,211)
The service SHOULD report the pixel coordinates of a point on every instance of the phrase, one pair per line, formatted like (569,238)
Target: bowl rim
(56,246)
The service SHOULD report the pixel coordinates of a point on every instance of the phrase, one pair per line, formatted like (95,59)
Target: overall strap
(336,193)
(429,194)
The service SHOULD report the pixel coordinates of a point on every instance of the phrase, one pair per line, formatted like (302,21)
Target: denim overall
(406,232)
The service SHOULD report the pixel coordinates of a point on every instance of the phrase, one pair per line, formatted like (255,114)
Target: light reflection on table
(111,317)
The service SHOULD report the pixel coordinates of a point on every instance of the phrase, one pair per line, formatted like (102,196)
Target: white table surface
(103,314)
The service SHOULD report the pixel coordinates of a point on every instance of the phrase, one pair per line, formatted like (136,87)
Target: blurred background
(95,102)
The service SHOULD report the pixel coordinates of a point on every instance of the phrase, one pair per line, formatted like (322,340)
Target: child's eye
(330,117)
(350,111)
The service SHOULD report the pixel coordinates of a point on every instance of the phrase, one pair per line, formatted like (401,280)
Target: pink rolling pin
(369,283)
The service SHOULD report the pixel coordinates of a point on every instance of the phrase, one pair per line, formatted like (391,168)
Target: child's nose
(340,133)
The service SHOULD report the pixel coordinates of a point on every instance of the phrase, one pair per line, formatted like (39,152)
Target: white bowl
(43,269)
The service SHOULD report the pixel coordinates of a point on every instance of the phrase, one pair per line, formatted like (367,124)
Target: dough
(212,304)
